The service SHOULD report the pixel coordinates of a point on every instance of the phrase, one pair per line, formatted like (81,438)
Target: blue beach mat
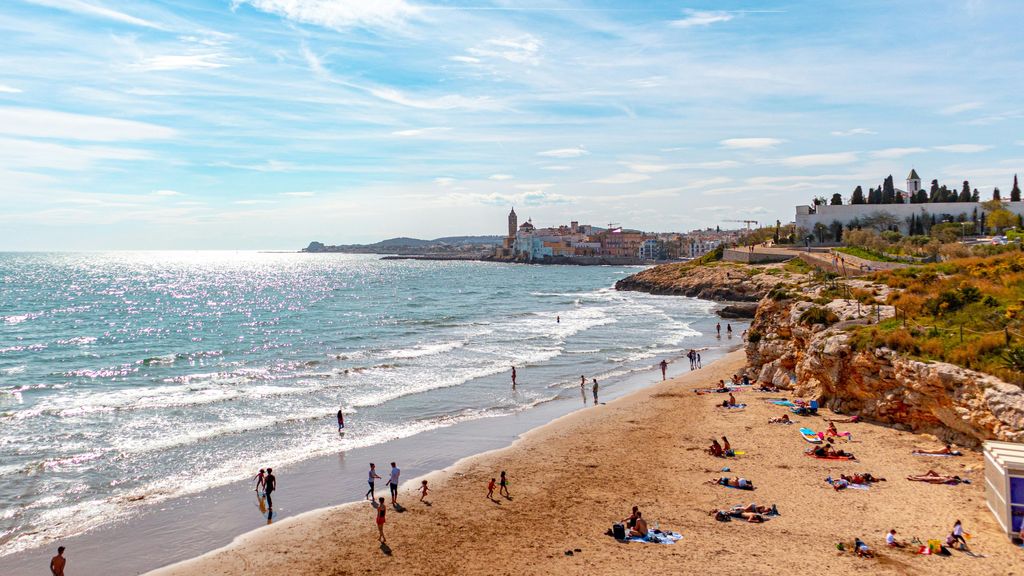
(659,538)
(783,403)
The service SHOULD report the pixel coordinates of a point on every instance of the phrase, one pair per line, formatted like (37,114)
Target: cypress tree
(888,191)
(933,193)
(995,194)
(858,196)
(965,194)
(922,196)
(837,199)
(1015,193)
(875,196)
(975,197)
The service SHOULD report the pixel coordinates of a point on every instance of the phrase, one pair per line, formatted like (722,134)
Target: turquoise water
(135,377)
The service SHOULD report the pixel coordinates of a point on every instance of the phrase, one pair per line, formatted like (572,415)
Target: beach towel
(657,537)
(733,407)
(955,453)
(782,403)
(847,484)
(748,487)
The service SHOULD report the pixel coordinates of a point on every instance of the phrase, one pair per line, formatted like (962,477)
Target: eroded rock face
(722,281)
(953,403)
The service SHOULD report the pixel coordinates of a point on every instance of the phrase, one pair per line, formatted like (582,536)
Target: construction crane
(747,222)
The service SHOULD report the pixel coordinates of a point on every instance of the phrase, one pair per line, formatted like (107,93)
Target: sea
(130,378)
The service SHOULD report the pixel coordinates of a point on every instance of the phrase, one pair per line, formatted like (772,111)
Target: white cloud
(166,193)
(338,14)
(750,143)
(715,165)
(87,9)
(313,61)
(563,167)
(5,89)
(465,59)
(622,178)
(853,132)
(446,102)
(500,177)
(39,123)
(891,153)
(650,168)
(565,152)
(702,18)
(413,132)
(964,148)
(299,194)
(716,181)
(200,61)
(253,202)
(444,181)
(821,159)
(519,50)
(958,108)
(20,154)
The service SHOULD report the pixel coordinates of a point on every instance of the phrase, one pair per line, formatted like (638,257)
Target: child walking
(423,490)
(490,489)
(504,486)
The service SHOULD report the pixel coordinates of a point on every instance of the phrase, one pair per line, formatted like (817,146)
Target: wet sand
(572,478)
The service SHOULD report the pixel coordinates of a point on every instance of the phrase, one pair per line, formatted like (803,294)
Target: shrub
(816,315)
(753,336)
(1013,358)
(779,292)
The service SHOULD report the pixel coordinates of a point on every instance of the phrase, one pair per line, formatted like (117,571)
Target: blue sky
(270,123)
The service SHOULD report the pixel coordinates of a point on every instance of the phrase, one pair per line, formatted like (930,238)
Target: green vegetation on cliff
(968,312)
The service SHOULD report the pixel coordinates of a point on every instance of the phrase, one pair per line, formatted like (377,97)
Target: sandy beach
(573,478)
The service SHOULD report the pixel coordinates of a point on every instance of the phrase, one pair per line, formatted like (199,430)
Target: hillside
(405,245)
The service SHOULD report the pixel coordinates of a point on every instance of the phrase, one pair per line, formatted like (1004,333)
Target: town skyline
(158,125)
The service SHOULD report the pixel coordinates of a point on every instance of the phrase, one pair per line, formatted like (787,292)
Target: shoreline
(574,476)
(184,527)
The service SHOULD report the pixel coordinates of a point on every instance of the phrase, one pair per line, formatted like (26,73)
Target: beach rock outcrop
(718,281)
(810,353)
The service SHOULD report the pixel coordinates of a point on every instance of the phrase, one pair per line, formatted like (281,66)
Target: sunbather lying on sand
(933,477)
(827,451)
(767,388)
(784,419)
(850,420)
(836,433)
(861,478)
(947,451)
(726,515)
(770,510)
(741,483)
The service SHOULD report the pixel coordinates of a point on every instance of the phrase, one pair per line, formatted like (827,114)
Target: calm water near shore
(129,379)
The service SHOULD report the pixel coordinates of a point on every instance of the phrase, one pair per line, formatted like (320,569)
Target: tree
(995,193)
(965,194)
(1015,193)
(820,230)
(943,194)
(778,224)
(922,196)
(888,190)
(837,199)
(880,220)
(858,196)
(1001,219)
(975,197)
(836,228)
(933,193)
(875,196)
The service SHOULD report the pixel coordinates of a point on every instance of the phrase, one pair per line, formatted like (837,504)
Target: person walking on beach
(664,366)
(513,377)
(490,489)
(382,510)
(369,480)
(693,358)
(583,388)
(423,490)
(504,486)
(393,483)
(698,361)
(594,388)
(718,328)
(341,420)
(270,484)
(260,480)
(728,330)
(58,562)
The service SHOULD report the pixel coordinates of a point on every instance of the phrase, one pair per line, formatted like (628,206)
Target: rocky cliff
(719,281)
(807,348)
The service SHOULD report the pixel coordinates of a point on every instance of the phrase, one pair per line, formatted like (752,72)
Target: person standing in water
(341,420)
(594,388)
(513,377)
(261,481)
(718,328)
(270,485)
(369,479)
(664,367)
(583,388)
(58,562)
(728,330)
(558,319)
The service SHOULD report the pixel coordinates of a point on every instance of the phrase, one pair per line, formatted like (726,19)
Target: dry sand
(571,479)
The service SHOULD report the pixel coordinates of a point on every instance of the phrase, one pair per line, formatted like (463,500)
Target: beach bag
(619,531)
(935,547)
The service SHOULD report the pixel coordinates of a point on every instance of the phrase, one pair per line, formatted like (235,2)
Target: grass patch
(865,254)
(797,266)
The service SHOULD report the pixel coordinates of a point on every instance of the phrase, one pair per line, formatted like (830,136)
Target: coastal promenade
(573,478)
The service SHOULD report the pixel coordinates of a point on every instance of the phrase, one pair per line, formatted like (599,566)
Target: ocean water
(130,378)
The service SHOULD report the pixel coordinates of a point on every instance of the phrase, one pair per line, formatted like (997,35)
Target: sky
(267,124)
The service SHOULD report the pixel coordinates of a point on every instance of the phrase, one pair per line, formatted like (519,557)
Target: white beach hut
(1004,484)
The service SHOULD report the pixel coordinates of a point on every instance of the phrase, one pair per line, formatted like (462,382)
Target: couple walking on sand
(392,483)
(268,482)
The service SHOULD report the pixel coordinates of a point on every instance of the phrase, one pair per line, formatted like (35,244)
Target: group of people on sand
(694,357)
(751,513)
(636,526)
(828,450)
(723,450)
(502,486)
(593,388)
(378,502)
